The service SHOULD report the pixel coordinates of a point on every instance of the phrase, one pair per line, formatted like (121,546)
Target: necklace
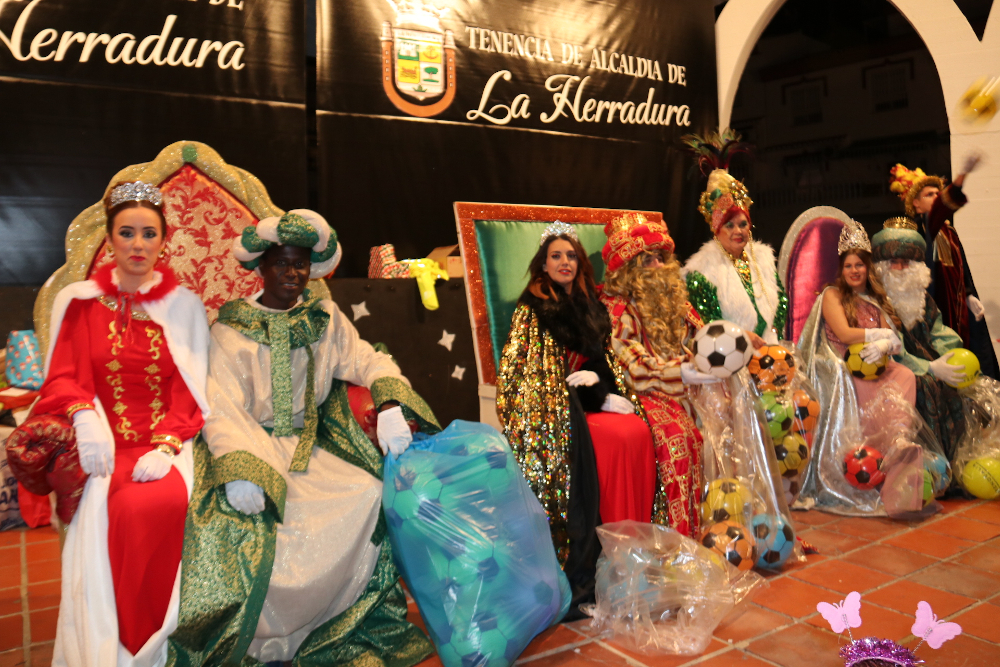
(741,264)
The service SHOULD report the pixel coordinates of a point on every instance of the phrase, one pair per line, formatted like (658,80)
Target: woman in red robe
(128,367)
(574,426)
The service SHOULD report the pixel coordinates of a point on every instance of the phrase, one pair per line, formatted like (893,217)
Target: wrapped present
(383,263)
(24,360)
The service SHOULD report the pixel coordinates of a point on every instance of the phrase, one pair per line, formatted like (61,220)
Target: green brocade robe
(229,556)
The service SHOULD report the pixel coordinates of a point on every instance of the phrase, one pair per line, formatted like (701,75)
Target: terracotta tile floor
(951,560)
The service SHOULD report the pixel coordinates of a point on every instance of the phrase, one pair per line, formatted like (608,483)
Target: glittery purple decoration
(872,648)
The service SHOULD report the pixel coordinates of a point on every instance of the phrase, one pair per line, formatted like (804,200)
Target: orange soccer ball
(806,412)
(772,368)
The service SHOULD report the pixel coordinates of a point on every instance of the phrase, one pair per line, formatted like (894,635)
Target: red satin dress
(626,462)
(143,394)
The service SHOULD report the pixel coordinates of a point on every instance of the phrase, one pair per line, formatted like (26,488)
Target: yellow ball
(981,477)
(978,104)
(860,368)
(727,499)
(963,357)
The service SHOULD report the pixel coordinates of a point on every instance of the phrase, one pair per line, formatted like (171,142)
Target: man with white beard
(898,252)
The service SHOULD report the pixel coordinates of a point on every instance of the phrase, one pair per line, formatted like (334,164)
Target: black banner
(89,88)
(565,102)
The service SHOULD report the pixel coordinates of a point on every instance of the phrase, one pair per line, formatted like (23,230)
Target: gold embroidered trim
(76,407)
(112,304)
(155,341)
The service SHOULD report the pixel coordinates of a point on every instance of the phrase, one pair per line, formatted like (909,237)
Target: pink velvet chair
(808,261)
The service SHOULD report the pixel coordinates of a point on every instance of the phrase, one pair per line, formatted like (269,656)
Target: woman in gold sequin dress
(566,411)
(128,367)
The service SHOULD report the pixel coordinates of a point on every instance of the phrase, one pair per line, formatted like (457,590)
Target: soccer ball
(775,540)
(772,367)
(731,541)
(937,465)
(727,499)
(962,357)
(721,348)
(791,487)
(863,468)
(859,367)
(778,414)
(792,453)
(806,411)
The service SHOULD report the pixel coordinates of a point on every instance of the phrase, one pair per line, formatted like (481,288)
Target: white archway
(960,58)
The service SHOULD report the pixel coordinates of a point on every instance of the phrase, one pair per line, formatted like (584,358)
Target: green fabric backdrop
(505,250)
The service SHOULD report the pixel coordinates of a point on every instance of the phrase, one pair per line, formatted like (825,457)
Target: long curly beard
(660,296)
(906,289)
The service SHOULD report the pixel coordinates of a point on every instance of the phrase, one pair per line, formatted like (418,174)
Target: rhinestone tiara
(853,237)
(558,229)
(137,191)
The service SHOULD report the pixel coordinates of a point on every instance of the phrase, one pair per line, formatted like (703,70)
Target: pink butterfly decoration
(845,615)
(930,629)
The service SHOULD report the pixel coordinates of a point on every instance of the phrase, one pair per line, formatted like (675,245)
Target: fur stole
(578,323)
(713,263)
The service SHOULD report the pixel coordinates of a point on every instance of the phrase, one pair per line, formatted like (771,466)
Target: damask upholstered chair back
(207,204)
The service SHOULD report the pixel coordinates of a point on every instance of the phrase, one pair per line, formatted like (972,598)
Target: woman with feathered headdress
(731,277)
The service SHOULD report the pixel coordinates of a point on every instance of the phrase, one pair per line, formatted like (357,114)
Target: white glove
(393,432)
(691,375)
(977,308)
(96,449)
(872,335)
(883,347)
(971,162)
(947,373)
(617,404)
(582,379)
(151,466)
(245,496)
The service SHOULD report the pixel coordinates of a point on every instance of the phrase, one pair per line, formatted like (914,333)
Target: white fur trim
(323,268)
(267,229)
(87,629)
(711,262)
(321,226)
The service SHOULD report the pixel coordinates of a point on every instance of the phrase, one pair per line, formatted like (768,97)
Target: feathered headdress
(713,154)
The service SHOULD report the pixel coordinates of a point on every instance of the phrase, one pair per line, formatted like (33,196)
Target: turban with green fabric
(300,227)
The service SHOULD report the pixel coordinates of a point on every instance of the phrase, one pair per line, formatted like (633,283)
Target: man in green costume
(898,252)
(284,550)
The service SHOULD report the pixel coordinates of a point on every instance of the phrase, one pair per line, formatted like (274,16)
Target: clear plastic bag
(913,468)
(473,545)
(661,592)
(744,493)
(977,457)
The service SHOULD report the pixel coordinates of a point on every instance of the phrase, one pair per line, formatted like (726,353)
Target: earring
(163,251)
(110,250)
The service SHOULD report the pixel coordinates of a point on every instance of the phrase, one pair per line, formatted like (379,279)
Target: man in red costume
(651,325)
(933,204)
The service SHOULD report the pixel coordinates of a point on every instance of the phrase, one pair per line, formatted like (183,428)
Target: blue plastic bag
(473,545)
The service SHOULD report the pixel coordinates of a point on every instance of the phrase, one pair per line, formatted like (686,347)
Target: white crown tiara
(558,229)
(137,191)
(853,237)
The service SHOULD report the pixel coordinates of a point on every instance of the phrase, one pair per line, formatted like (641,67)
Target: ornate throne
(806,263)
(498,241)
(207,204)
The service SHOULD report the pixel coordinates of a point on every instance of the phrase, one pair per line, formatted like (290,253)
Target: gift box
(449,259)
(383,263)
(24,360)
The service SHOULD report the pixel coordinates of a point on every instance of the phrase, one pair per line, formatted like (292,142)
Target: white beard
(906,289)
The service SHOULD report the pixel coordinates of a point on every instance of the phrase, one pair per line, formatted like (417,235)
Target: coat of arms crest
(418,59)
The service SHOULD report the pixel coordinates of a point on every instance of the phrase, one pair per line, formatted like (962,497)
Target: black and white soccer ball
(721,348)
